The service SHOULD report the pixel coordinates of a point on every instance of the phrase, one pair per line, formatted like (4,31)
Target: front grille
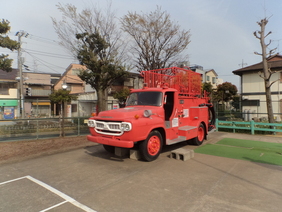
(99,125)
(108,128)
(114,126)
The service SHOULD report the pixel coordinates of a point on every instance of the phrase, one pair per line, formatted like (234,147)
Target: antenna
(242,64)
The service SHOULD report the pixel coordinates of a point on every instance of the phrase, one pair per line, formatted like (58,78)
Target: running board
(176,140)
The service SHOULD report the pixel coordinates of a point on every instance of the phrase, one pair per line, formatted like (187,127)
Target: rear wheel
(200,136)
(110,149)
(150,149)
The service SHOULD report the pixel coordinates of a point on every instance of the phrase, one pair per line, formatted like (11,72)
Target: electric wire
(61,56)
(43,63)
(37,55)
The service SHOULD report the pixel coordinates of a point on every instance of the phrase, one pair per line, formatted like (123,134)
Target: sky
(221,30)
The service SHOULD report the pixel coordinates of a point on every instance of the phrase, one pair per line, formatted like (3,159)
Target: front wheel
(150,149)
(200,136)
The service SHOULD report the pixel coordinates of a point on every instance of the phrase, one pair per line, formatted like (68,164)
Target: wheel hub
(154,145)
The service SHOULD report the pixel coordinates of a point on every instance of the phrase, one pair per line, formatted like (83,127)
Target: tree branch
(258,53)
(255,34)
(273,82)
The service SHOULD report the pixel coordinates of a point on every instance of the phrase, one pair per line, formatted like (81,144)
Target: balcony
(35,92)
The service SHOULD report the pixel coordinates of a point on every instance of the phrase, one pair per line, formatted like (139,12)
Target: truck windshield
(145,98)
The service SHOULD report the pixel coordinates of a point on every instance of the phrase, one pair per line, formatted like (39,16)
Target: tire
(110,149)
(150,149)
(200,136)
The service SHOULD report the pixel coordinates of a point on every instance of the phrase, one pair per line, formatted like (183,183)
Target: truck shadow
(183,144)
(99,151)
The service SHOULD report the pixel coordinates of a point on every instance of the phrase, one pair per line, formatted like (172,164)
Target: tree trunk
(266,73)
(63,119)
(269,103)
(102,96)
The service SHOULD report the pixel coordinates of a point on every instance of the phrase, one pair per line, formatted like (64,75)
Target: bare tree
(267,73)
(90,20)
(93,37)
(157,41)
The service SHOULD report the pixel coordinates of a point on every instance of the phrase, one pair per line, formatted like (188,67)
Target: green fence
(250,126)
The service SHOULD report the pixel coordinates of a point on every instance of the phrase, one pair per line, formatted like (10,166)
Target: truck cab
(161,113)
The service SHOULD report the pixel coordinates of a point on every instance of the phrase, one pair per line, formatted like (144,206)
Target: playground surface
(90,179)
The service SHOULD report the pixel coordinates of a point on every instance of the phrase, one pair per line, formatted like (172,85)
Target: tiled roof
(274,62)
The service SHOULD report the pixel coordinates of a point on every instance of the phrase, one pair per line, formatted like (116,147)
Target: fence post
(78,118)
(216,124)
(233,125)
(252,127)
(37,129)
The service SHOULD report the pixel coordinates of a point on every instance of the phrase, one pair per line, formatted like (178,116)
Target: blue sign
(9,112)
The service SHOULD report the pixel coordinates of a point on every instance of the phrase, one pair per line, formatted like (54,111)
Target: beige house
(253,89)
(9,104)
(212,77)
(70,78)
(36,90)
(86,102)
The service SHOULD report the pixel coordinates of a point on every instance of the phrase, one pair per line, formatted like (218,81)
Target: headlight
(91,123)
(147,113)
(126,126)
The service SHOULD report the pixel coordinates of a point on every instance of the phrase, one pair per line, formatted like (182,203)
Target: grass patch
(255,151)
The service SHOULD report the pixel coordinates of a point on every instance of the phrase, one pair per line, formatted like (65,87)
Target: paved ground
(89,179)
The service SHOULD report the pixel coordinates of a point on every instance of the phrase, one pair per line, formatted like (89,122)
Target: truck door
(169,105)
(171,117)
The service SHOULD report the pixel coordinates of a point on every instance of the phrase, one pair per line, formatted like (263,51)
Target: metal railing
(40,128)
(249,126)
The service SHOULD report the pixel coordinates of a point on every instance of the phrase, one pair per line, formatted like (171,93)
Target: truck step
(187,131)
(186,128)
(176,140)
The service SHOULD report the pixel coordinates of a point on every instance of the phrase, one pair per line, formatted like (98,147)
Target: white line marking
(55,191)
(54,206)
(9,181)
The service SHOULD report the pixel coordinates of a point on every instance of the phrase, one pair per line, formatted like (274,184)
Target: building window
(208,78)
(213,80)
(253,102)
(74,107)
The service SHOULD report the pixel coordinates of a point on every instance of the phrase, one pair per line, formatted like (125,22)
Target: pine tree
(6,42)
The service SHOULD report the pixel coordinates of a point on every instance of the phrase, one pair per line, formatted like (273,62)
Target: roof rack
(187,82)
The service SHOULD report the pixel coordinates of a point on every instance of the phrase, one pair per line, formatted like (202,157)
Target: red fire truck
(170,108)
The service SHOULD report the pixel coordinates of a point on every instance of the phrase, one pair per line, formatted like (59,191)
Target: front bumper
(110,141)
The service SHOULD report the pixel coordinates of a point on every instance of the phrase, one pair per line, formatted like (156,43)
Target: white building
(253,89)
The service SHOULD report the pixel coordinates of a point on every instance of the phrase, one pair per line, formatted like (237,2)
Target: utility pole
(20,34)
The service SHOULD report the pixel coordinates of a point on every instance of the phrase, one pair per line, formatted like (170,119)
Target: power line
(49,54)
(40,39)
(42,62)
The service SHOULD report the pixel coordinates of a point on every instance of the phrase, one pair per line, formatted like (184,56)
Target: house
(200,70)
(36,90)
(9,102)
(85,103)
(253,89)
(87,97)
(207,75)
(212,77)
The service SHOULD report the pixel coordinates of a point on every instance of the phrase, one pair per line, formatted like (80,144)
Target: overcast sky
(221,30)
